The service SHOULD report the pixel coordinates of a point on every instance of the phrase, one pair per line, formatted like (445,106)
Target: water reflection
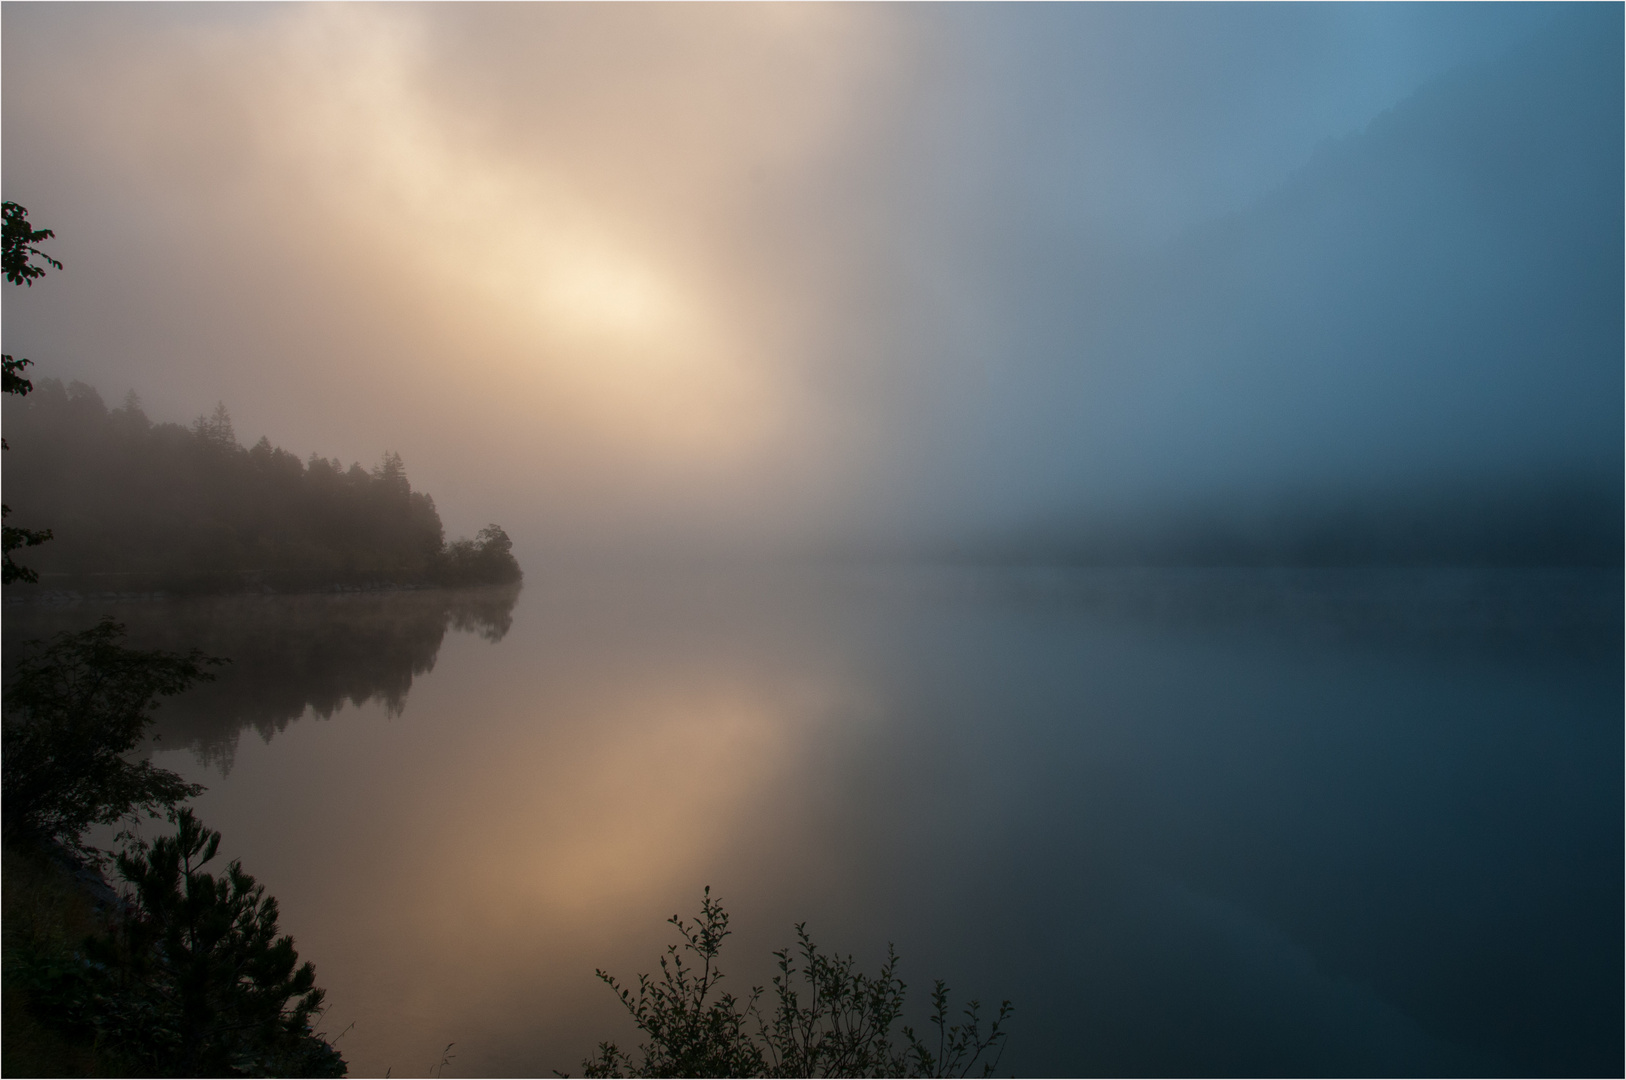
(1191,822)
(289,654)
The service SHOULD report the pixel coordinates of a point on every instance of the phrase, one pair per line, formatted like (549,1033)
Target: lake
(1188,821)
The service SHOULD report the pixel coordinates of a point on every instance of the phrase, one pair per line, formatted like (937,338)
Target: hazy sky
(626,273)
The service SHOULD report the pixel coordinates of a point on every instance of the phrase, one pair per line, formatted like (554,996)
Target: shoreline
(80,592)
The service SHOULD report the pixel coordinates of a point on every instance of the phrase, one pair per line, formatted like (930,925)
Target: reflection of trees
(288,653)
(488,612)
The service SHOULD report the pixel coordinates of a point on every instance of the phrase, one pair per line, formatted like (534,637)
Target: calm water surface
(1190,822)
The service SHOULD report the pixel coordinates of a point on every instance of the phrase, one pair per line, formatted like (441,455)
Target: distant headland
(138,507)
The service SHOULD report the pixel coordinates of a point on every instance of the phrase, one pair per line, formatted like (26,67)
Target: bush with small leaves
(691,1031)
(830,1019)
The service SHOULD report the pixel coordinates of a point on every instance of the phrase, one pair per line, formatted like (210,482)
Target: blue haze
(1430,303)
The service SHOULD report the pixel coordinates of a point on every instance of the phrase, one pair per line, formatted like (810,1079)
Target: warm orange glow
(651,781)
(569,279)
(596,314)
(555,284)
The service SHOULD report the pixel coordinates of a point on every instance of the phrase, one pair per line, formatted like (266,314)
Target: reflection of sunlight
(459,870)
(568,818)
(654,804)
(611,802)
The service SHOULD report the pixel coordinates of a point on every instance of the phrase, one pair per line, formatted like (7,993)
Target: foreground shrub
(830,1019)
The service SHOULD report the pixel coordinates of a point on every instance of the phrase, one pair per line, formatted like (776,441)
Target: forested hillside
(136,505)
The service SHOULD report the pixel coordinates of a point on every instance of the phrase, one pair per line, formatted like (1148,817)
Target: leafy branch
(18,238)
(831,1019)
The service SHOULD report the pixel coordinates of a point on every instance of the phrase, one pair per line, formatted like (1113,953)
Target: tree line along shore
(136,506)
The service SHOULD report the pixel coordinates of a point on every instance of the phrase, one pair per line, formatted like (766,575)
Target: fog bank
(855,278)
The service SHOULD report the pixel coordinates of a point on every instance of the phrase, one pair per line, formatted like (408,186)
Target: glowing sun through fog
(523,266)
(834,275)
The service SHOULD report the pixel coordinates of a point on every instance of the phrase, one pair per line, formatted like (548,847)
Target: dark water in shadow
(1191,822)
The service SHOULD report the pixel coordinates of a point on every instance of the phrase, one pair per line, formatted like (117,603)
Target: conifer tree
(193,978)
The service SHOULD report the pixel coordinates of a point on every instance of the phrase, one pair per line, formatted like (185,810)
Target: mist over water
(1199,821)
(1124,502)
